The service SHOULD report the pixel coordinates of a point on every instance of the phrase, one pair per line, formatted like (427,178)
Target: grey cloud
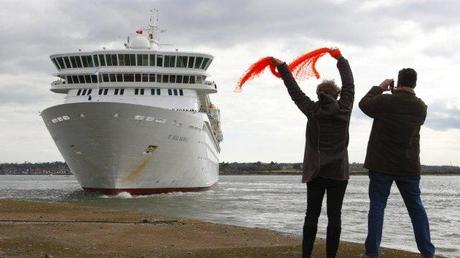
(442,117)
(63,26)
(244,21)
(443,123)
(26,93)
(430,14)
(357,113)
(235,22)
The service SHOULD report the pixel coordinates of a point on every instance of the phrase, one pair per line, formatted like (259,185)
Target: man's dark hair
(328,87)
(407,77)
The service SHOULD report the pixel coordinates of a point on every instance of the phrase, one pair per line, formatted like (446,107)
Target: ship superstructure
(138,120)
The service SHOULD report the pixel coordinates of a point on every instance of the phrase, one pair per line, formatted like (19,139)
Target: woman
(325,165)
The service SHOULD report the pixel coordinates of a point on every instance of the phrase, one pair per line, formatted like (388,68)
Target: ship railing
(203,85)
(63,86)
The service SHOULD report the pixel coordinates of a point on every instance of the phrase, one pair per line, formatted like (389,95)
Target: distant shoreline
(262,173)
(275,173)
(225,168)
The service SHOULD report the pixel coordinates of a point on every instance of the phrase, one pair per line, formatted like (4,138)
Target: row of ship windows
(194,62)
(116,115)
(171,92)
(134,77)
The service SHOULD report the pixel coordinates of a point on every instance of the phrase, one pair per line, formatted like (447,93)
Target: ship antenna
(153,28)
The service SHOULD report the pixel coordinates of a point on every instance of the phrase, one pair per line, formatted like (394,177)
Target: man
(393,154)
(325,165)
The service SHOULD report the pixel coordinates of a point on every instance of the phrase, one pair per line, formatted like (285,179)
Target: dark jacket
(393,146)
(326,143)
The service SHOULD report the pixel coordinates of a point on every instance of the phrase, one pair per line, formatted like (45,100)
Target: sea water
(273,202)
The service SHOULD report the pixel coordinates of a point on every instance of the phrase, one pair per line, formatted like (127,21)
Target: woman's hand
(335,53)
(276,61)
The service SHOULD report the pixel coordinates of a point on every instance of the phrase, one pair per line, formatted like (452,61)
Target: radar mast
(148,36)
(153,29)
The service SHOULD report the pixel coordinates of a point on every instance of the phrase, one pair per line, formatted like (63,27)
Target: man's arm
(372,103)
(303,102)
(347,94)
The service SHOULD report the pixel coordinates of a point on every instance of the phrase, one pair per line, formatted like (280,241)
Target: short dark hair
(407,77)
(328,87)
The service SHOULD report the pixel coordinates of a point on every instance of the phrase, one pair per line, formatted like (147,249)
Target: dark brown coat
(394,146)
(326,153)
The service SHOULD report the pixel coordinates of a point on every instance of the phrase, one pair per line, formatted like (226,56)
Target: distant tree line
(226,168)
(240,168)
(440,169)
(26,168)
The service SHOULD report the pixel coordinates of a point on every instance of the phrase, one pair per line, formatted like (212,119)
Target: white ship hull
(120,147)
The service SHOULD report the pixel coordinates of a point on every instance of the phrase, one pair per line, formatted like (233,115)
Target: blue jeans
(379,190)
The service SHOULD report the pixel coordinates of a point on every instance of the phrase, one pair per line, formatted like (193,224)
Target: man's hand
(276,61)
(335,53)
(385,85)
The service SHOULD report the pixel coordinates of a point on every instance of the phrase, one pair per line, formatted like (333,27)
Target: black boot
(332,241)
(309,235)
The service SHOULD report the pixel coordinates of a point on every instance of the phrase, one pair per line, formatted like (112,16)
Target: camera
(392,86)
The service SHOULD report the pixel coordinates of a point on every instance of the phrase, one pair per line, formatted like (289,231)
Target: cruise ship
(138,119)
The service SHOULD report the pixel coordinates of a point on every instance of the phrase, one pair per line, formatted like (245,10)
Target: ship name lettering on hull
(177,138)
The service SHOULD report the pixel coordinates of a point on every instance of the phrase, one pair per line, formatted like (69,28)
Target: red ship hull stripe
(146,191)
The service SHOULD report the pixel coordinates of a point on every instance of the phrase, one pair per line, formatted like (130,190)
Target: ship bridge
(132,68)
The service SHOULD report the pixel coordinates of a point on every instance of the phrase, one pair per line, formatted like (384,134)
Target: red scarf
(302,67)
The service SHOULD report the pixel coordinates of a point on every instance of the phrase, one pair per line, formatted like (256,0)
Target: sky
(261,123)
